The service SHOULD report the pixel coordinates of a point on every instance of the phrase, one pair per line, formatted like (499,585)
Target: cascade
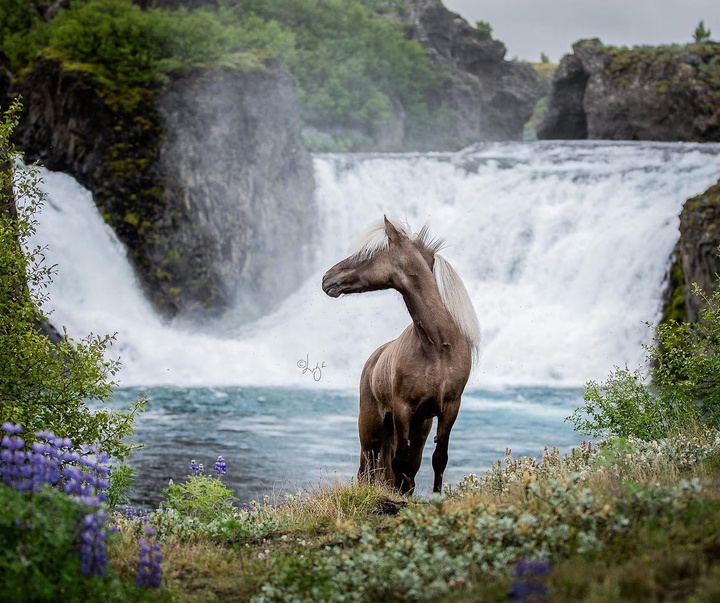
(563,248)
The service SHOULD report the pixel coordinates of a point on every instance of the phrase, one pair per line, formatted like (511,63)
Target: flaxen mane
(452,290)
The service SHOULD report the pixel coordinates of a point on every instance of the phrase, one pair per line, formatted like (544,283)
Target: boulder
(664,94)
(697,248)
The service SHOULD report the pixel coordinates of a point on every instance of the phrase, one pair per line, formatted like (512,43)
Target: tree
(701,34)
(483,30)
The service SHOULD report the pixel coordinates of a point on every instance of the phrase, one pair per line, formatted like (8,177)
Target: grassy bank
(626,520)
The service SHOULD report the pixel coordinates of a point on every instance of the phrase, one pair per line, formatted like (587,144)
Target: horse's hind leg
(442,439)
(372,437)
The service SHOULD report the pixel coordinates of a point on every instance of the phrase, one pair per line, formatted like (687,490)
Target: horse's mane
(452,289)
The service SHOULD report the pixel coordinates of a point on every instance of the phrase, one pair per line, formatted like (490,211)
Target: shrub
(201,496)
(682,391)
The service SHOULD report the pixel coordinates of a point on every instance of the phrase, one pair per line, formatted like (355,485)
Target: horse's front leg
(410,436)
(442,439)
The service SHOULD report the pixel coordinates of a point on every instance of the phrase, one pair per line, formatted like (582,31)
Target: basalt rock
(205,179)
(663,94)
(490,98)
(697,248)
(5,80)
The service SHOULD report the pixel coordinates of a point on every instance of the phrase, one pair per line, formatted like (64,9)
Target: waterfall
(563,248)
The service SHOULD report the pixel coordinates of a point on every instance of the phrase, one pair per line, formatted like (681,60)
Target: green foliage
(22,31)
(123,46)
(434,547)
(121,480)
(354,70)
(684,388)
(43,385)
(201,496)
(39,559)
(251,523)
(483,30)
(701,34)
(544,58)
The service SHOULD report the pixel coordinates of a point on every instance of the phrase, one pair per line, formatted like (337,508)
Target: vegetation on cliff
(353,64)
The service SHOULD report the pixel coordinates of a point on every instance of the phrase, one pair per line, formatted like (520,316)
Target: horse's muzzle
(331,286)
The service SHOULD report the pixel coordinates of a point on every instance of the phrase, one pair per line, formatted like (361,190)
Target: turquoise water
(278,440)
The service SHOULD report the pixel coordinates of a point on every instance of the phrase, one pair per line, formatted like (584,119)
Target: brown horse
(421,374)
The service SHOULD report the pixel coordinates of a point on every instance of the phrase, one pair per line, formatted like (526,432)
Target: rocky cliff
(491,98)
(204,179)
(697,258)
(665,94)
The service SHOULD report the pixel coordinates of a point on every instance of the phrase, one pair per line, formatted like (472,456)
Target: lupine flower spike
(149,572)
(220,467)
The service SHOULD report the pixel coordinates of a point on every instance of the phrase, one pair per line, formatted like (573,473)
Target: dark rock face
(233,159)
(205,181)
(492,98)
(565,116)
(664,94)
(697,248)
(5,79)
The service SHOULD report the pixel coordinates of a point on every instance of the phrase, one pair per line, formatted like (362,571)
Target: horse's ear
(393,234)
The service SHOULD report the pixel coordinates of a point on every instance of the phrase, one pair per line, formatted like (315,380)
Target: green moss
(674,309)
(132,219)
(662,86)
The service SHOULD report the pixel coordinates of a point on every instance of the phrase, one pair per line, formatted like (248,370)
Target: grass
(624,521)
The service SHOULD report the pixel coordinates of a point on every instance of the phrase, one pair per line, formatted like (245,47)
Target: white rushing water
(563,248)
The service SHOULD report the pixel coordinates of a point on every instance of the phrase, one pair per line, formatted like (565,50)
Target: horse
(422,374)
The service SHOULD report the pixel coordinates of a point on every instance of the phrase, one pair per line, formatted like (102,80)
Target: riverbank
(621,521)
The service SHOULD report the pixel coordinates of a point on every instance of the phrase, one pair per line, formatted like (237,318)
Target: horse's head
(383,257)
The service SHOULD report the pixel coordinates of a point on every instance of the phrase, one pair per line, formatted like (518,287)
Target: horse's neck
(433,324)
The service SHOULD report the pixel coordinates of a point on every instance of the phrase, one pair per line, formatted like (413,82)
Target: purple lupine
(149,570)
(93,537)
(195,468)
(49,461)
(529,585)
(220,467)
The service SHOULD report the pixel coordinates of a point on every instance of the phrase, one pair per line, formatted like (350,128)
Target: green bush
(201,496)
(44,385)
(122,45)
(682,389)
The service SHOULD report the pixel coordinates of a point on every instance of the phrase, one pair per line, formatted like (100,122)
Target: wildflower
(529,585)
(92,544)
(195,468)
(220,467)
(149,572)
(49,462)
(11,428)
